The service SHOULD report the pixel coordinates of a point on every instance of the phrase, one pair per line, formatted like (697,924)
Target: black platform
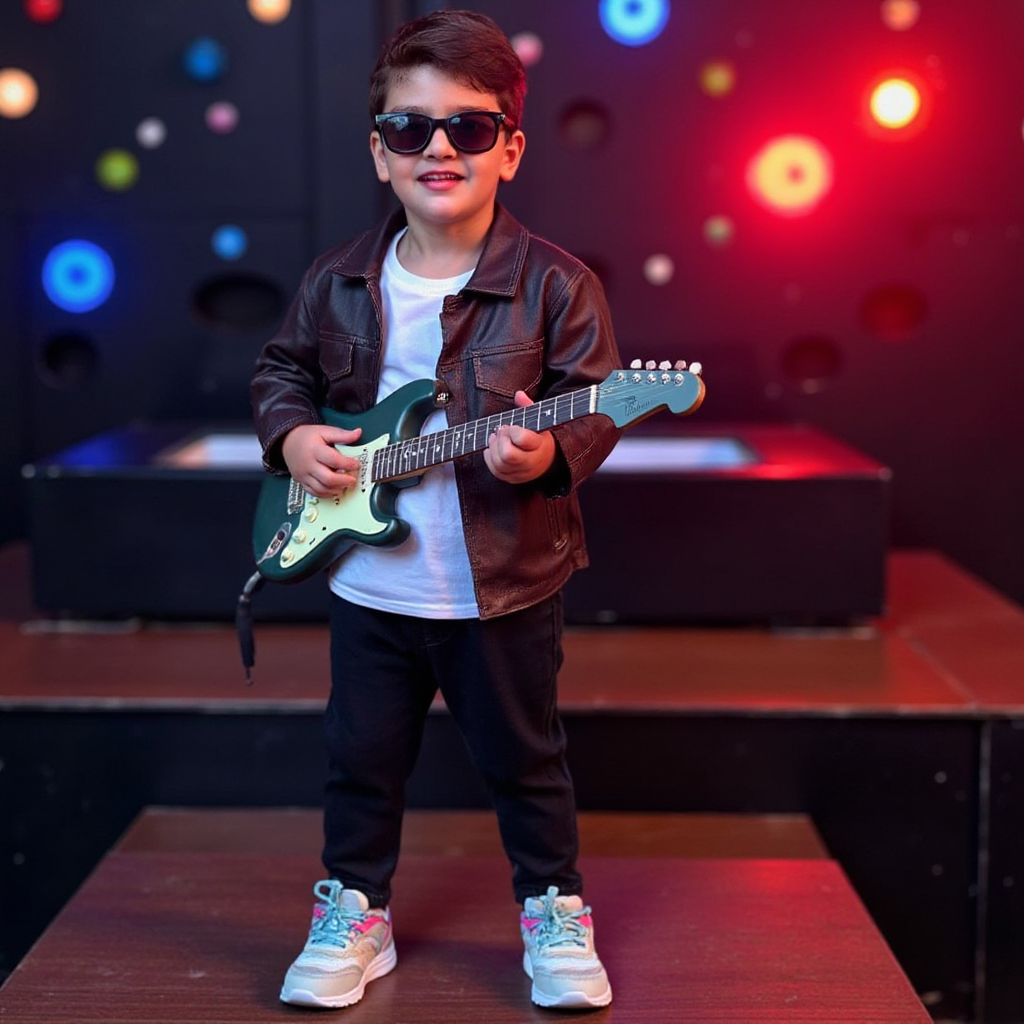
(704,525)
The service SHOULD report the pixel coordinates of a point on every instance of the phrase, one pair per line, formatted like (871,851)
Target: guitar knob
(287,557)
(664,365)
(650,365)
(680,364)
(311,515)
(635,365)
(695,369)
(299,536)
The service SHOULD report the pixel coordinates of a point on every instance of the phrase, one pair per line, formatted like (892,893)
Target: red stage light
(790,175)
(44,11)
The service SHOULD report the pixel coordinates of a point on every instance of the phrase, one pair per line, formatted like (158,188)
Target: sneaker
(558,934)
(349,945)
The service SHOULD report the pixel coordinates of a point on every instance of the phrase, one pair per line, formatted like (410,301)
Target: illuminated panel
(78,276)
(634,22)
(18,93)
(790,175)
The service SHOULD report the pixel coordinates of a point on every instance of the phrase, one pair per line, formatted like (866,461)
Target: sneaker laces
(560,926)
(333,922)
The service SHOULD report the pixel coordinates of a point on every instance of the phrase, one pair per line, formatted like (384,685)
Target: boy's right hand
(315,464)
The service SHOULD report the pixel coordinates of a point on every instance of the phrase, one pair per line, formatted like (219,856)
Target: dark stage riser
(798,537)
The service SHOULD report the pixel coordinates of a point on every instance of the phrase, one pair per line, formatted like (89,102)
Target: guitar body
(295,535)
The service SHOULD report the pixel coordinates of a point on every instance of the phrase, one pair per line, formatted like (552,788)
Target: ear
(380,159)
(511,155)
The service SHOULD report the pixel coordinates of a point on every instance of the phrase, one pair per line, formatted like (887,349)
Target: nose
(439,144)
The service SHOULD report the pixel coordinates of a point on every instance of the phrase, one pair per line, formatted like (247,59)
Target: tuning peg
(636,364)
(664,365)
(650,365)
(680,364)
(695,369)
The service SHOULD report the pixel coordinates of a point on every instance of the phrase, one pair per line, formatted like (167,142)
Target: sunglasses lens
(473,133)
(406,133)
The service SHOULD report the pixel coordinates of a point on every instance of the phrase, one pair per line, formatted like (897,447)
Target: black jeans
(498,679)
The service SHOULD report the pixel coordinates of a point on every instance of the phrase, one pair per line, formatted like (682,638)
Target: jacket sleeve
(581,351)
(286,384)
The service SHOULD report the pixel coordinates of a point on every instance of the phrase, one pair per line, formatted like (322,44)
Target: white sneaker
(558,934)
(349,945)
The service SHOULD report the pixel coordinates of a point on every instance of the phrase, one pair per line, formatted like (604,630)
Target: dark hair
(464,44)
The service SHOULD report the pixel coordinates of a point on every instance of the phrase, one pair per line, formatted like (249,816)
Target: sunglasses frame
(499,120)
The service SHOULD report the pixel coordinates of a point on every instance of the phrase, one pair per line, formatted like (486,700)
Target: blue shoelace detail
(334,924)
(558,926)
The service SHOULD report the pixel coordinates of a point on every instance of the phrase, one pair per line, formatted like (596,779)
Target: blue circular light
(205,60)
(634,22)
(229,242)
(78,276)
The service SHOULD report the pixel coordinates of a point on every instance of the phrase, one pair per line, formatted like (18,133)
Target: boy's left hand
(517,455)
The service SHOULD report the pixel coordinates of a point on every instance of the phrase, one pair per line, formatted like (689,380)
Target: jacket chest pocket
(348,364)
(506,369)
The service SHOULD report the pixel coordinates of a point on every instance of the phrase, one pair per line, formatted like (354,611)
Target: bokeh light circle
(895,103)
(584,125)
(19,93)
(894,312)
(229,242)
(790,175)
(151,133)
(529,48)
(78,276)
(222,117)
(717,78)
(900,15)
(719,230)
(205,60)
(42,12)
(633,22)
(117,170)
(270,12)
(659,269)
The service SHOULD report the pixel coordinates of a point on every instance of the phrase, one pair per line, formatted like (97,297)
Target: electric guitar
(296,534)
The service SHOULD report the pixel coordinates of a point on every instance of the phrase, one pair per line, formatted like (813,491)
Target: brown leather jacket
(531,317)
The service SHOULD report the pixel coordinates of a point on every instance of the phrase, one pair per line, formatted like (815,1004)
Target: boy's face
(441,186)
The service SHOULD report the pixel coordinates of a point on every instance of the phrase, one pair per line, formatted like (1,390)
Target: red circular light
(44,11)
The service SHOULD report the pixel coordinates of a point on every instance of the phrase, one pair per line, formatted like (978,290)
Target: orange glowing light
(18,93)
(790,175)
(895,103)
(900,15)
(270,12)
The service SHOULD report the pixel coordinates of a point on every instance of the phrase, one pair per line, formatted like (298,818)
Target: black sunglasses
(472,131)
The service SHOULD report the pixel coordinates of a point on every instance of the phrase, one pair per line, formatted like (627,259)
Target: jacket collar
(497,272)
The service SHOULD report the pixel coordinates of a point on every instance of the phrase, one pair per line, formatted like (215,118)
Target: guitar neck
(413,456)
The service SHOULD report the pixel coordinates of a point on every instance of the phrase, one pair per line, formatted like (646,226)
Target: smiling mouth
(437,176)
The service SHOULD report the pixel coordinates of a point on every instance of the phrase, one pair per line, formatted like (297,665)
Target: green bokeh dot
(117,170)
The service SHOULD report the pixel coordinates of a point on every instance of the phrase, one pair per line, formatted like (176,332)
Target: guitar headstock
(628,396)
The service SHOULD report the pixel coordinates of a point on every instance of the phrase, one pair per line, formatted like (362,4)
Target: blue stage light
(229,242)
(634,22)
(78,276)
(205,60)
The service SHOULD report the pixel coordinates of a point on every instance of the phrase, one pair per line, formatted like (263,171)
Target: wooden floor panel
(176,937)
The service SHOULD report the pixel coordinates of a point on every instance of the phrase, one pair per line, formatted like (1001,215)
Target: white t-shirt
(428,575)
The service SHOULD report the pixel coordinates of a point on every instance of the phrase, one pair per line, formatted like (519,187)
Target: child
(450,287)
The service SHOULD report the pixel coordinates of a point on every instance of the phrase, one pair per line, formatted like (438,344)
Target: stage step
(195,915)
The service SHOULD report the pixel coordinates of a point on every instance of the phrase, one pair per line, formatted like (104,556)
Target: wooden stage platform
(899,738)
(195,915)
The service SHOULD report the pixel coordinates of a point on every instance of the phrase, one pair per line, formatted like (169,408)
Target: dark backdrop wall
(892,315)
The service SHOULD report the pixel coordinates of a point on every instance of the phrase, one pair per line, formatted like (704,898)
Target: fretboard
(417,454)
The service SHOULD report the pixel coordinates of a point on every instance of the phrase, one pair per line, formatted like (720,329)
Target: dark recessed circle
(68,360)
(239,301)
(811,360)
(585,125)
(894,311)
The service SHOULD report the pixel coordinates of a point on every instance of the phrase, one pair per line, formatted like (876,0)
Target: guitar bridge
(296,497)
